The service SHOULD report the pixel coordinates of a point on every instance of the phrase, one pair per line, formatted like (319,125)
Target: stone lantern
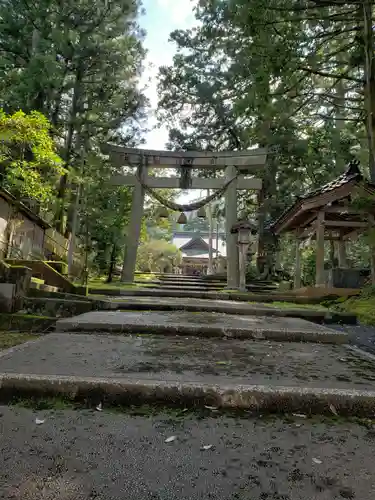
(246,236)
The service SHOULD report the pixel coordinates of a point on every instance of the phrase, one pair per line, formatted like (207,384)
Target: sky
(161,18)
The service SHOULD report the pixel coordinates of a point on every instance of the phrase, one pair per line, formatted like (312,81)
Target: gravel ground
(79,455)
(193,359)
(360,335)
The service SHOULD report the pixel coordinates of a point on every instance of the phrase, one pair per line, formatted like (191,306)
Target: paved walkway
(202,324)
(110,456)
(192,360)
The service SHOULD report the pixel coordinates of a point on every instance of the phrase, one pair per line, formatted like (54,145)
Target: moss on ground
(145,277)
(295,305)
(362,306)
(25,322)
(116,284)
(11,339)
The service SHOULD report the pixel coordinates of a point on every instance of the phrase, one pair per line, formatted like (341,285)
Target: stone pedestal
(14,285)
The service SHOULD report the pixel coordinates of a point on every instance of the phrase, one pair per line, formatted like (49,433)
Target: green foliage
(78,63)
(157,256)
(28,159)
(362,306)
(279,74)
(308,266)
(197,225)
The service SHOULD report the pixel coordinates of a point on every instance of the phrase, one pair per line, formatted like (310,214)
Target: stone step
(197,288)
(229,307)
(220,295)
(192,372)
(202,324)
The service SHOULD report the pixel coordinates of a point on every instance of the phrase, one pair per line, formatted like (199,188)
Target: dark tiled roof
(352,173)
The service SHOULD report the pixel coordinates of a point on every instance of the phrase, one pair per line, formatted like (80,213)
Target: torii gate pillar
(230,220)
(134,227)
(246,161)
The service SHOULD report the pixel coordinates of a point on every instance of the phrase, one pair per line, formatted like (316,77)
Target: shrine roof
(200,241)
(338,189)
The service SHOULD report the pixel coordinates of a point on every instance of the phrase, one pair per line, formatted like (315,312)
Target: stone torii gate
(235,163)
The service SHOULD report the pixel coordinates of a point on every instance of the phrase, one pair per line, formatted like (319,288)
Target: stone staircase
(206,283)
(196,353)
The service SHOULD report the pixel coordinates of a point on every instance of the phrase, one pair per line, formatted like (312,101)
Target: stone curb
(109,391)
(244,297)
(326,317)
(326,336)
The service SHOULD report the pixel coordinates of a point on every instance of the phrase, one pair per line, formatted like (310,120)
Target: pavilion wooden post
(371,222)
(297,267)
(320,229)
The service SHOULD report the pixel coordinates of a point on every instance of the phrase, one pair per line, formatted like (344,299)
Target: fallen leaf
(171,439)
(39,421)
(333,410)
(317,461)
(99,407)
(299,415)
(206,447)
(213,408)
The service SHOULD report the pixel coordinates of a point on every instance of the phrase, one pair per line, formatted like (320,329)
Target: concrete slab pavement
(255,375)
(205,324)
(192,359)
(229,307)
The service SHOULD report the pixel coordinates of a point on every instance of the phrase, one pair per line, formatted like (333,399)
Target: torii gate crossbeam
(234,163)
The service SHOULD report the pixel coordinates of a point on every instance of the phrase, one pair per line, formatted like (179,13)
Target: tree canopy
(295,77)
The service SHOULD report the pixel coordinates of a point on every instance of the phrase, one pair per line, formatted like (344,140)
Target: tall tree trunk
(58,97)
(112,263)
(60,212)
(339,125)
(368,37)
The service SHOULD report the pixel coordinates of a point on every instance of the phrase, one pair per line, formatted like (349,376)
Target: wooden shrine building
(337,211)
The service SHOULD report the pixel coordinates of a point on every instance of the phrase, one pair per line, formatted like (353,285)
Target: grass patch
(116,284)
(363,307)
(25,322)
(11,339)
(145,277)
(295,305)
(39,404)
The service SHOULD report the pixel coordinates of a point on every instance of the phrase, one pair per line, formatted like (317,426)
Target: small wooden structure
(330,213)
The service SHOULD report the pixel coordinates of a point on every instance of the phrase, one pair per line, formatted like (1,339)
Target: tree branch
(330,75)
